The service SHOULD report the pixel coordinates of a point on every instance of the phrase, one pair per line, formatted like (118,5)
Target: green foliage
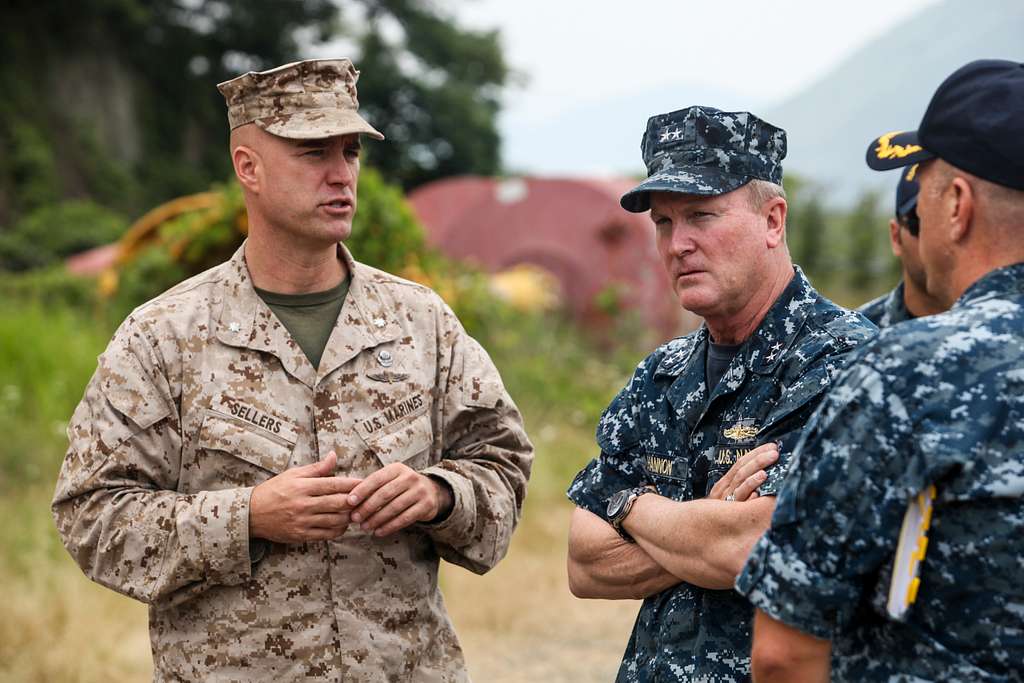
(865,229)
(47,355)
(51,286)
(433,91)
(845,253)
(385,233)
(183,246)
(49,234)
(30,164)
(168,56)
(608,301)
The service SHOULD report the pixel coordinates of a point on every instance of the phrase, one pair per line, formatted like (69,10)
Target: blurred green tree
(51,233)
(114,100)
(432,88)
(866,239)
(807,228)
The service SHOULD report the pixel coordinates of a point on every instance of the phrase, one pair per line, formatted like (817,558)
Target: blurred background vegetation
(109,110)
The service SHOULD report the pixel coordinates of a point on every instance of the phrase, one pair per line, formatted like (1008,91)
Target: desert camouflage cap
(702,150)
(315,98)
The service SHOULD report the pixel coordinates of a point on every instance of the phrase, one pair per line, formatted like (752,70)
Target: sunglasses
(911,223)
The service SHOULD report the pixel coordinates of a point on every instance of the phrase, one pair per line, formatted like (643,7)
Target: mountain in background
(886,86)
(600,138)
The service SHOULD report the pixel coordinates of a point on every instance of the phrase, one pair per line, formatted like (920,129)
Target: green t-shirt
(309,318)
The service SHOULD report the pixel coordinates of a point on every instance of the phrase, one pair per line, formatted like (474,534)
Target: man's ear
(775,215)
(895,238)
(961,205)
(248,167)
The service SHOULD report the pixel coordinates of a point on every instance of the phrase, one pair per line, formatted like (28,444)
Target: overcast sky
(574,55)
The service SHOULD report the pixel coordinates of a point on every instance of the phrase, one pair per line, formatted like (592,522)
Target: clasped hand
(310,503)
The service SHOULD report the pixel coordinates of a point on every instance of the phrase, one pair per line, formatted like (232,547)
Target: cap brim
(894,150)
(707,182)
(314,124)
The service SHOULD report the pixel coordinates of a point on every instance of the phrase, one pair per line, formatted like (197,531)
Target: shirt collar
(995,283)
(763,350)
(367,319)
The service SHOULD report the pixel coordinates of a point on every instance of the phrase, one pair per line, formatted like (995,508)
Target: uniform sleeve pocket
(269,451)
(409,441)
(481,386)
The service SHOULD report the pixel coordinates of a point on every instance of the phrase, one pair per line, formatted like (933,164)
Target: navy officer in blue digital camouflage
(685,482)
(896,552)
(910,298)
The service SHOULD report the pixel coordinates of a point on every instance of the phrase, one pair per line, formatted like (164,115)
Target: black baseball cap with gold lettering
(975,121)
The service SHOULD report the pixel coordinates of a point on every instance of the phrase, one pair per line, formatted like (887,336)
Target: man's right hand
(746,474)
(302,504)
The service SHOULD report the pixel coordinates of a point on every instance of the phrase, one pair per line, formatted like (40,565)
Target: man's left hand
(396,496)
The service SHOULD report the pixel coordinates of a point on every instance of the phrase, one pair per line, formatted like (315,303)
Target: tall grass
(47,354)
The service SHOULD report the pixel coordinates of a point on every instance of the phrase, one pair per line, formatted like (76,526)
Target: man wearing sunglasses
(909,299)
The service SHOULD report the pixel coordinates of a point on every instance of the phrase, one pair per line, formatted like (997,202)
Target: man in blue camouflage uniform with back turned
(910,299)
(684,483)
(926,426)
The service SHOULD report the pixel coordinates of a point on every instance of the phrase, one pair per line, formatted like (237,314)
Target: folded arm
(603,565)
(703,542)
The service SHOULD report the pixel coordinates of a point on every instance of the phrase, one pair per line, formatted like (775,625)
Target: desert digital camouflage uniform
(202,394)
(936,400)
(888,309)
(664,429)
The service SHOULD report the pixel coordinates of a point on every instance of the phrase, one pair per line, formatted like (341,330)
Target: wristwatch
(619,505)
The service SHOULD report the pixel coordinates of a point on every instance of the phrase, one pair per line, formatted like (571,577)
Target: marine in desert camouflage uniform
(690,442)
(282,505)
(933,407)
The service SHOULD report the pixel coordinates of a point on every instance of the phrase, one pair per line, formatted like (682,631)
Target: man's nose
(340,170)
(681,241)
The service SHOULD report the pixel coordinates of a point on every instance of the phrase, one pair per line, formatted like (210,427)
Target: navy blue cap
(706,151)
(906,192)
(975,121)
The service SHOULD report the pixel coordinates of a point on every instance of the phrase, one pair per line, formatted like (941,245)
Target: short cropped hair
(760,191)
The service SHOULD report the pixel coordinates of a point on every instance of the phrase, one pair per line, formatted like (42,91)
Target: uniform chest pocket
(408,440)
(235,453)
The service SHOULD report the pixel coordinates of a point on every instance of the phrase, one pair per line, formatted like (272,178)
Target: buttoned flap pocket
(407,440)
(259,446)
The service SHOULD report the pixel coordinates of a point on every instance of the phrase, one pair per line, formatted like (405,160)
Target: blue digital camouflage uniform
(664,429)
(937,400)
(888,309)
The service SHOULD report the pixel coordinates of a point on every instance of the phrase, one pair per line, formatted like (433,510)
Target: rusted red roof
(574,228)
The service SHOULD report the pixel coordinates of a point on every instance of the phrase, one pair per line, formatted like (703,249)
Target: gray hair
(760,191)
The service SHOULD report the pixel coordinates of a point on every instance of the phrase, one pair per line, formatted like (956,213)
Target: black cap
(975,122)
(906,192)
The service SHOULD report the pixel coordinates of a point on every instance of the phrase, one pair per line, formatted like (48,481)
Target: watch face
(617,502)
